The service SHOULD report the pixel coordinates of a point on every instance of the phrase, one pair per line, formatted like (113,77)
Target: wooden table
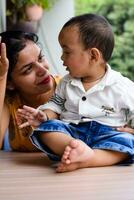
(31,176)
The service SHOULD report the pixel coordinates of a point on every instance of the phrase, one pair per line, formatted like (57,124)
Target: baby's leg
(56,141)
(78,155)
(52,137)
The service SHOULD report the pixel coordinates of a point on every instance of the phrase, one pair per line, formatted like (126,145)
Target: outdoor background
(120,14)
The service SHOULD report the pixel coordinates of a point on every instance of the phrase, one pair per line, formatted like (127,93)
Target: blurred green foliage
(15,9)
(43,3)
(120,14)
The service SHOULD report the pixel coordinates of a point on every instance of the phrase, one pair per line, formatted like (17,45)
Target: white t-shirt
(110,102)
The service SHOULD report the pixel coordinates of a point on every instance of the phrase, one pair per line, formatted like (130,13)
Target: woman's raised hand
(4,63)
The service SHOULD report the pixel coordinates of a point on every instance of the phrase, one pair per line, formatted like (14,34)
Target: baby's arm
(33,117)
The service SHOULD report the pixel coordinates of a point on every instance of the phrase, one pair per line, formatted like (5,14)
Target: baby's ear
(95,54)
(10,85)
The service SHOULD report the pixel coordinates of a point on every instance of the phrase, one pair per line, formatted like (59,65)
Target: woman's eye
(28,70)
(41,58)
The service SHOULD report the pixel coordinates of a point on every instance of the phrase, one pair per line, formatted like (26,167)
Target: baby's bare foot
(76,151)
(62,167)
(76,155)
(66,154)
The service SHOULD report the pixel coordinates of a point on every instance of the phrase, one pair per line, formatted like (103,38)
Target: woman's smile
(46,80)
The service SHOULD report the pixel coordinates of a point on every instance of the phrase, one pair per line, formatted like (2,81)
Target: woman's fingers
(126,129)
(3,52)
(4,63)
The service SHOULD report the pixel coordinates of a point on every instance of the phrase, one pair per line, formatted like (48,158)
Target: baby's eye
(66,52)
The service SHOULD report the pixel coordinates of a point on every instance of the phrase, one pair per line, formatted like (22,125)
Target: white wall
(50,26)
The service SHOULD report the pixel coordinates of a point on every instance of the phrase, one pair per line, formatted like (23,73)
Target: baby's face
(74,56)
(78,60)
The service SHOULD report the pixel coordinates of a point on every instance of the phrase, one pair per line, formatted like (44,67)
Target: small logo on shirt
(107,110)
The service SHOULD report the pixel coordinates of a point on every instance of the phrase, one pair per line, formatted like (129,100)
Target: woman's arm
(3,78)
(4,123)
(3,75)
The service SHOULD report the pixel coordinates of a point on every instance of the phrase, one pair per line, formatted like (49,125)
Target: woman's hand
(28,116)
(4,63)
(126,129)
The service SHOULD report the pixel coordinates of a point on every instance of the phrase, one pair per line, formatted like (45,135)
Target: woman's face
(30,75)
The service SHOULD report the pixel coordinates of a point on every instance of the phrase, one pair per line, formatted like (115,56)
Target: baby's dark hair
(95,32)
(15,42)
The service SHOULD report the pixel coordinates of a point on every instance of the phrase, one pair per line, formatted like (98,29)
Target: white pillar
(50,26)
(2,15)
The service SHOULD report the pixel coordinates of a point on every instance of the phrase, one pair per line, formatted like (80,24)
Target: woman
(24,79)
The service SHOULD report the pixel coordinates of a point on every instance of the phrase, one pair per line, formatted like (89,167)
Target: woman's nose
(40,69)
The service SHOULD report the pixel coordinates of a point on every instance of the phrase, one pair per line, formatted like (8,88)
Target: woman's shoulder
(12,99)
(67,78)
(57,78)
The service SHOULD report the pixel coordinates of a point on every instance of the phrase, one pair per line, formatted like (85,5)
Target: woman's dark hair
(94,31)
(15,42)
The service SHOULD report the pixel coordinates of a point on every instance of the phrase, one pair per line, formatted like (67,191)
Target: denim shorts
(94,134)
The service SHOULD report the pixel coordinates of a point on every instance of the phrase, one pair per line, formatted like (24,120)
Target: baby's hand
(32,117)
